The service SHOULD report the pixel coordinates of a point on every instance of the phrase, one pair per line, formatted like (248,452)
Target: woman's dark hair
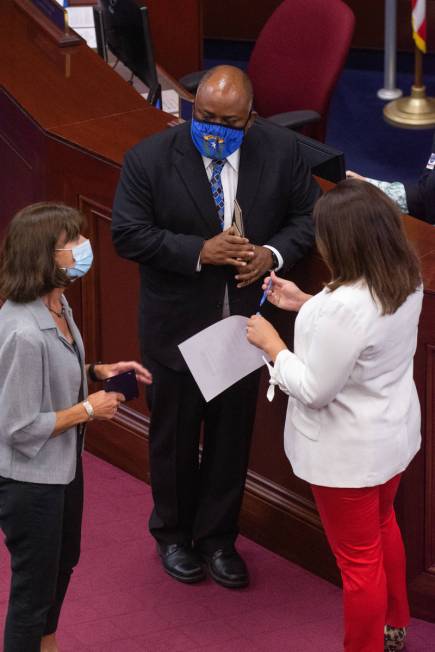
(27,258)
(359,234)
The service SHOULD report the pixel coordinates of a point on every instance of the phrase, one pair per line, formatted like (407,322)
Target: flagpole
(418,68)
(389,91)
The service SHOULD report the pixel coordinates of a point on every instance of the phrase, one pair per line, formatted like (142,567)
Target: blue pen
(265,293)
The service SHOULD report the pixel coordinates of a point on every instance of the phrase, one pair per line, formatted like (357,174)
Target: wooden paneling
(244,19)
(236,19)
(82,3)
(60,139)
(176,28)
(430,462)
(21,142)
(416,499)
(110,334)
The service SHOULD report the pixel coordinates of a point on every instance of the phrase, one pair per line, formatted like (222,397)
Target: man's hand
(227,248)
(260,264)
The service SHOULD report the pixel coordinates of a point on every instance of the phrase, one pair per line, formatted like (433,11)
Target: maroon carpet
(120,600)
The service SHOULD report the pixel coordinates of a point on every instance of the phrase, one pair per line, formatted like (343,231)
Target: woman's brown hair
(27,258)
(359,234)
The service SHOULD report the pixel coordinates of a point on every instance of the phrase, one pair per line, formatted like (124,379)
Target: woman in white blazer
(353,417)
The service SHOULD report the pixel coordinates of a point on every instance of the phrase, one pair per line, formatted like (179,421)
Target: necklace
(58,314)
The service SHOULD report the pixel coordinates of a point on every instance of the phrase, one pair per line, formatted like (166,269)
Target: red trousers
(364,536)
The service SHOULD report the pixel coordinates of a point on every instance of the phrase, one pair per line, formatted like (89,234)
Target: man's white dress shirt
(229,179)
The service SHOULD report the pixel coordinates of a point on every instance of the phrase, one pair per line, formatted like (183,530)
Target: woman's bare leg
(48,643)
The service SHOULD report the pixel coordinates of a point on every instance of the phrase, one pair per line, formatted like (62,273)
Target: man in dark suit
(172,214)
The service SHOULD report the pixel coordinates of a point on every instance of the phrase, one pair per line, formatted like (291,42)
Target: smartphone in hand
(125,383)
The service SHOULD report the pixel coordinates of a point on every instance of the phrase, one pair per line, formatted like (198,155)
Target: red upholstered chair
(298,57)
(296,62)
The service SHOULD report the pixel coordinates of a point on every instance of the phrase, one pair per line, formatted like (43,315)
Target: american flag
(419,23)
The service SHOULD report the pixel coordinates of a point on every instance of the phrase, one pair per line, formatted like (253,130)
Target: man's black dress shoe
(227,568)
(181,562)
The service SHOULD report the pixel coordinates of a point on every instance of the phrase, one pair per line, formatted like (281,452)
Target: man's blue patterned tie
(216,188)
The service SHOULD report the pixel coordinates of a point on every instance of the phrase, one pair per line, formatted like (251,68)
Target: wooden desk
(66,120)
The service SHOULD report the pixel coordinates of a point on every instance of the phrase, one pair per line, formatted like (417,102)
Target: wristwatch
(275,261)
(91,372)
(89,409)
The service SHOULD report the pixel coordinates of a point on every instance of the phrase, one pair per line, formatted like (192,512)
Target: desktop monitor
(325,161)
(122,26)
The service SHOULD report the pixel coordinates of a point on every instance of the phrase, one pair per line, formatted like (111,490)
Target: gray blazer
(39,375)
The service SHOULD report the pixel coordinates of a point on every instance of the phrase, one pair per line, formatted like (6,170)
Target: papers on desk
(170,99)
(220,355)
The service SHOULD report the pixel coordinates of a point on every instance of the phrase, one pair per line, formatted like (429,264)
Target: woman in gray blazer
(44,406)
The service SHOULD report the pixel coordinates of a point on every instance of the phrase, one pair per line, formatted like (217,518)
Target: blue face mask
(83,257)
(215,140)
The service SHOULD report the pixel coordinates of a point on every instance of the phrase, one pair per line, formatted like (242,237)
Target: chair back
(299,55)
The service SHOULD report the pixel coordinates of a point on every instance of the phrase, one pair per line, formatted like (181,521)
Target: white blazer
(353,416)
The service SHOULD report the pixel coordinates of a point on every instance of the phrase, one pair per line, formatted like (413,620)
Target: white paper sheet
(220,355)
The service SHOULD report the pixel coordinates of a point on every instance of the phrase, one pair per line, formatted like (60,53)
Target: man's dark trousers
(198,496)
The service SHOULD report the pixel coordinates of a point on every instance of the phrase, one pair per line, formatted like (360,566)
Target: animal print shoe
(394,638)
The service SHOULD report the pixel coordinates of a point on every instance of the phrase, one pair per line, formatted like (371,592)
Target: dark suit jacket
(164,210)
(420,196)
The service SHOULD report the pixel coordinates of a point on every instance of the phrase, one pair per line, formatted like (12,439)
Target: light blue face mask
(83,257)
